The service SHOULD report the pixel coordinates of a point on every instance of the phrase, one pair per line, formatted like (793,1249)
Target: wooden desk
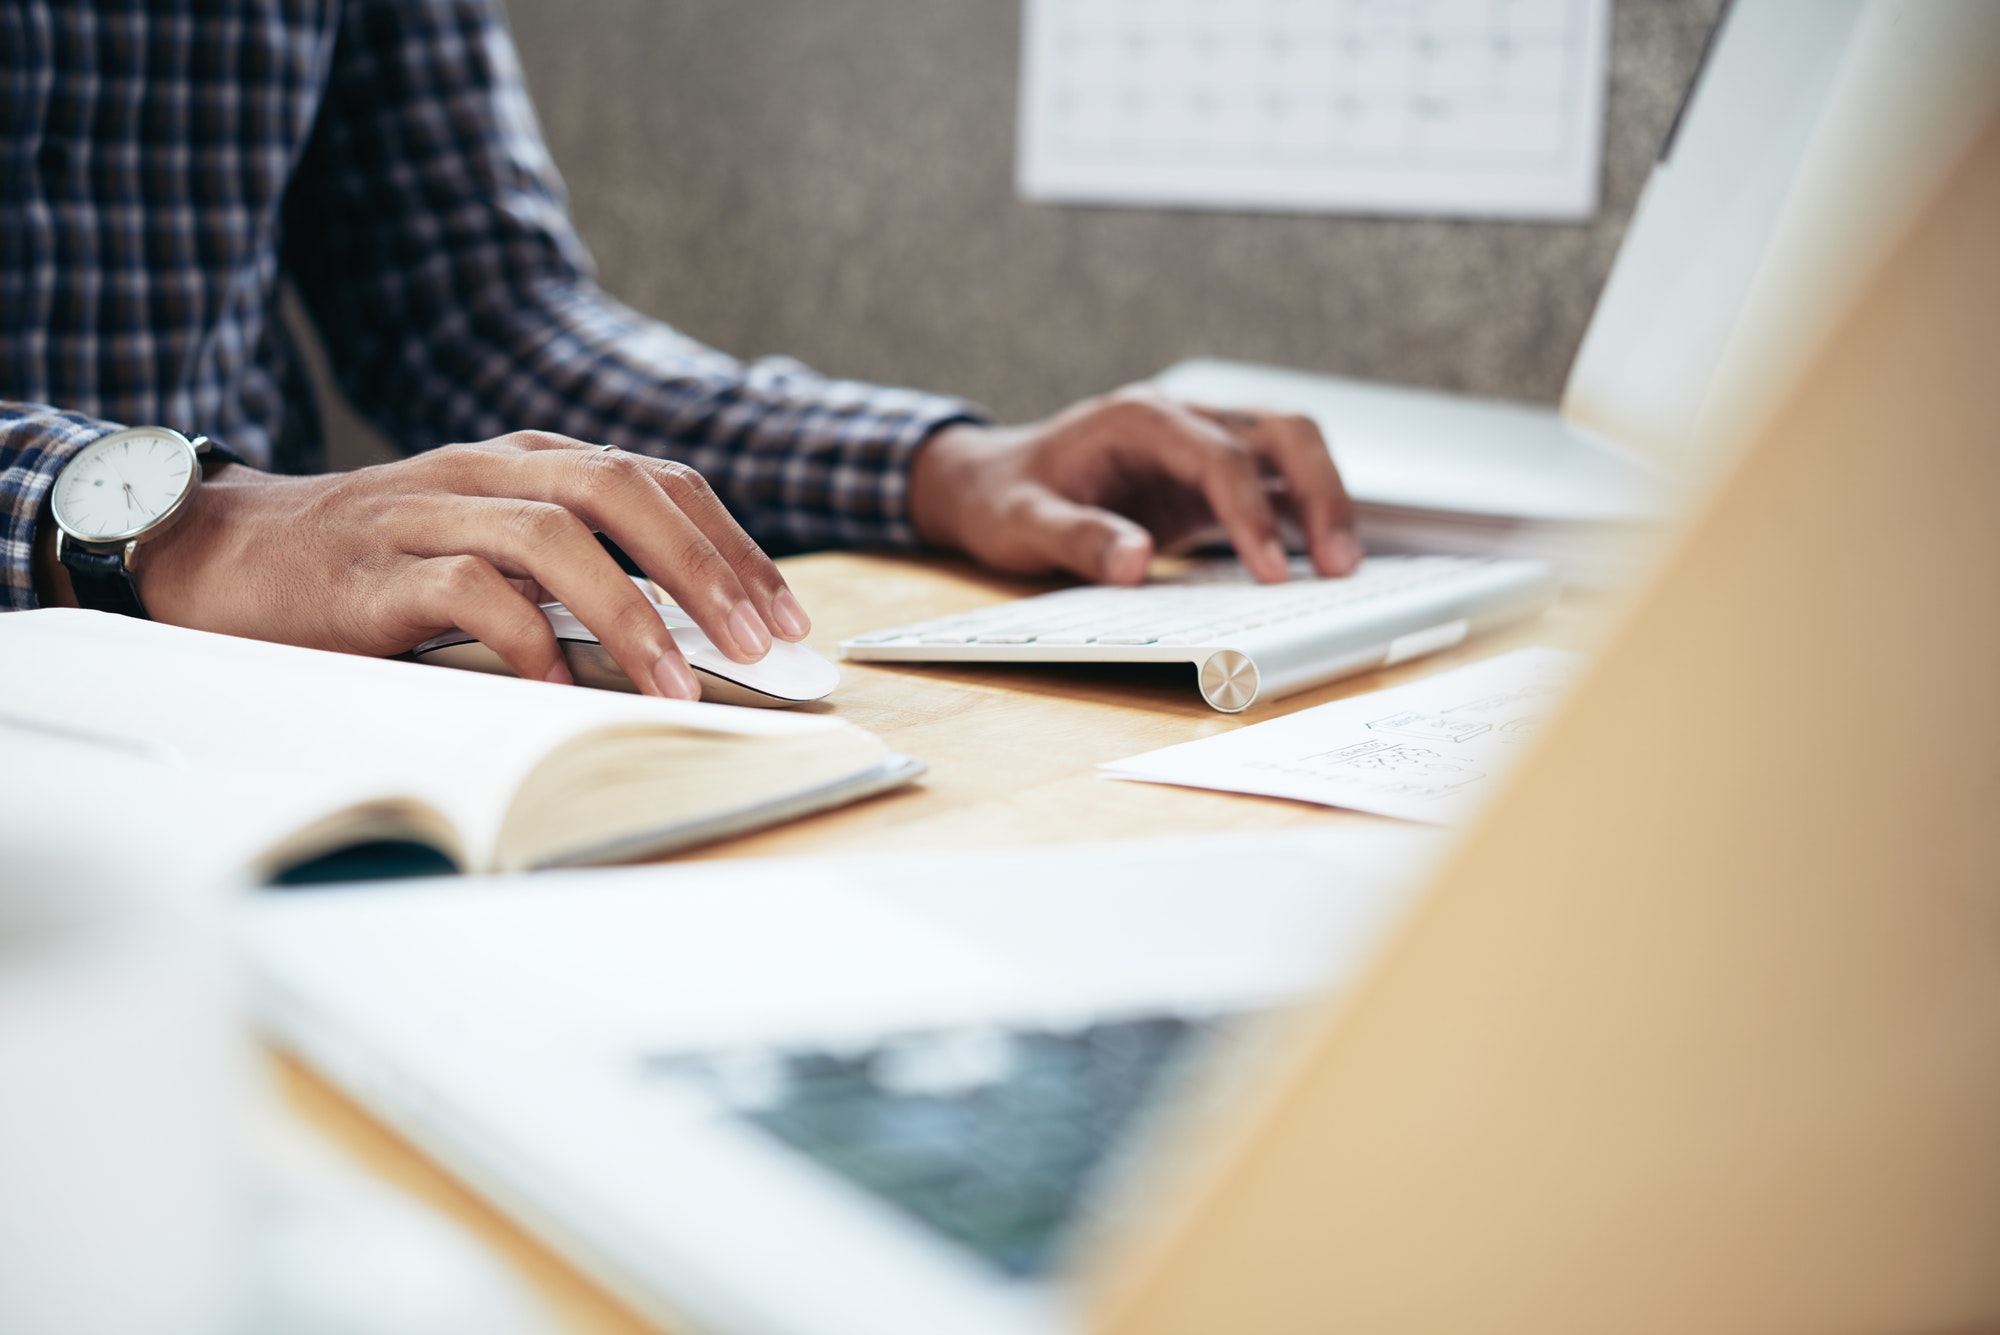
(1013,755)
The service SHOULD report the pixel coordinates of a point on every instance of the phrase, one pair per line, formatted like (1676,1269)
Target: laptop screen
(1704,223)
(1812,131)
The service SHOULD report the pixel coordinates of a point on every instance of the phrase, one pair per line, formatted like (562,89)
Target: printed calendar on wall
(1470,108)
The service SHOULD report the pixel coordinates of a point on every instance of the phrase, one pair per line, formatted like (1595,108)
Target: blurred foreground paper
(1432,750)
(1466,108)
(122,1209)
(147,1184)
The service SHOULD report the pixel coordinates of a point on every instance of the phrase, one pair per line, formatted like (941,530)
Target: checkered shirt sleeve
(429,234)
(158,161)
(35,442)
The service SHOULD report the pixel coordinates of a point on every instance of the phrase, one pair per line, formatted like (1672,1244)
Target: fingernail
(1274,555)
(674,678)
(747,629)
(1347,551)
(1125,559)
(559,674)
(791,618)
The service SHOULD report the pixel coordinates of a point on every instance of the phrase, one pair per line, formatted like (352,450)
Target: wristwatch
(118,491)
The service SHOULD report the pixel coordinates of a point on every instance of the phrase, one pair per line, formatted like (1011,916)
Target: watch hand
(131,497)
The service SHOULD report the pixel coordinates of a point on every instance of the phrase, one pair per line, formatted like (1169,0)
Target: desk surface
(1013,755)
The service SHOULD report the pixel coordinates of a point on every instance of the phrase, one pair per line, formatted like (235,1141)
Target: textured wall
(834,179)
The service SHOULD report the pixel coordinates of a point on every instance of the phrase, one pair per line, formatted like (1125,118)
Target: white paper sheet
(1429,751)
(1482,108)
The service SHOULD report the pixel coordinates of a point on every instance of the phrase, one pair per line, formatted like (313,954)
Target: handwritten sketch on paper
(1428,751)
(1475,108)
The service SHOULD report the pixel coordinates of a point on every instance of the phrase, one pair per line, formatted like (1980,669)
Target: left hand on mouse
(1094,489)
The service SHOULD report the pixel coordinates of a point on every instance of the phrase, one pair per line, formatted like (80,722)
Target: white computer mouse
(790,674)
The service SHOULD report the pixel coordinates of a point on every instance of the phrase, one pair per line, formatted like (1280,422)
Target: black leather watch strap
(101,580)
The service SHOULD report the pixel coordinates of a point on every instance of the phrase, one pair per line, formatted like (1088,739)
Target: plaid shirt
(162,163)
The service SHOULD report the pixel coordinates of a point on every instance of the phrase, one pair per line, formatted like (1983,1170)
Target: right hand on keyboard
(1094,489)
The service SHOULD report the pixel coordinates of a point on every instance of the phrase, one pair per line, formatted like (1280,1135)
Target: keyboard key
(1124,639)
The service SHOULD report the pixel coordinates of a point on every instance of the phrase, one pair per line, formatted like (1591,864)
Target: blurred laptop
(847,1094)
(1695,1031)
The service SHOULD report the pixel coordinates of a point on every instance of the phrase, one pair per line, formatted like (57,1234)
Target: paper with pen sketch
(1473,108)
(1432,750)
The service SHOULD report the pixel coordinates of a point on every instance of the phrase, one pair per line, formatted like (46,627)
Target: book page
(1433,750)
(1468,108)
(461,742)
(169,821)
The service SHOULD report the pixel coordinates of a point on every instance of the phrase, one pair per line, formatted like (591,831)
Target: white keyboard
(1248,641)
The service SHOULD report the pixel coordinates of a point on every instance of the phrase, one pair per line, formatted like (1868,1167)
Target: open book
(473,772)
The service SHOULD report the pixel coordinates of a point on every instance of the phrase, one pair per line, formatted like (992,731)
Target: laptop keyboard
(993,1137)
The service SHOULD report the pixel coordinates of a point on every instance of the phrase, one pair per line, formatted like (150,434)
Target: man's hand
(1095,488)
(378,560)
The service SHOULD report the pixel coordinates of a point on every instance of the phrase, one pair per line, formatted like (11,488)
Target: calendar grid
(1476,107)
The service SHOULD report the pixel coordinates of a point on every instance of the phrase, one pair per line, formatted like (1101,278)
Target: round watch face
(117,487)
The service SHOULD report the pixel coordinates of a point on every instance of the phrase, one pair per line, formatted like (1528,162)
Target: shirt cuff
(35,442)
(935,412)
(811,463)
